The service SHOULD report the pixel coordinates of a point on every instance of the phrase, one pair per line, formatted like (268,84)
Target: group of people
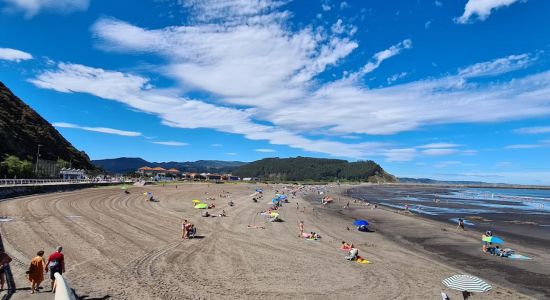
(492,249)
(38,266)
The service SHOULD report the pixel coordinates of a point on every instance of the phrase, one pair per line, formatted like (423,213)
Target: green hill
(314,169)
(22,130)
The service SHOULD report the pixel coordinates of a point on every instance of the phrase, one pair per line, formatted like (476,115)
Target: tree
(62,164)
(12,166)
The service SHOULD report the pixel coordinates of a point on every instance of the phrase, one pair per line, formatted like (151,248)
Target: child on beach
(301,227)
(460,224)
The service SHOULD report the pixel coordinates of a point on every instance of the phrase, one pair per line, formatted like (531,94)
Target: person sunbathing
(223,214)
(345,246)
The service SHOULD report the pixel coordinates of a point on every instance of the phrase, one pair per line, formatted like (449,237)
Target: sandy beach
(125,247)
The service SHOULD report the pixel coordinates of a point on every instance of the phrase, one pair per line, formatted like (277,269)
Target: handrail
(62,289)
(12,182)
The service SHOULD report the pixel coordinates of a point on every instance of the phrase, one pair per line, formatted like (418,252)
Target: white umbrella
(467,283)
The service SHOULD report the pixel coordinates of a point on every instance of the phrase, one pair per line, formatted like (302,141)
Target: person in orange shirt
(36,271)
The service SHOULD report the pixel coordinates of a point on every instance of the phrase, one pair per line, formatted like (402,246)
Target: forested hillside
(316,169)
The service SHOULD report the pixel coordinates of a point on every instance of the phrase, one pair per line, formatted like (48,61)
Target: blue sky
(454,90)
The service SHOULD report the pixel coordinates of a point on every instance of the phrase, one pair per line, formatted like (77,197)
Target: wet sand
(439,239)
(124,247)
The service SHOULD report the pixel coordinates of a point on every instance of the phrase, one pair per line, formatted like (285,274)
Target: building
(72,174)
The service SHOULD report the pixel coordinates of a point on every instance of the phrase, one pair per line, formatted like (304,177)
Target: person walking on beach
(5,260)
(460,224)
(56,264)
(301,227)
(36,271)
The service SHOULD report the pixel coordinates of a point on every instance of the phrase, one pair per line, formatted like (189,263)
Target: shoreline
(441,241)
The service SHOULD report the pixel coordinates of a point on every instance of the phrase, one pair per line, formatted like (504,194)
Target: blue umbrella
(283,197)
(361,223)
(493,239)
(275,200)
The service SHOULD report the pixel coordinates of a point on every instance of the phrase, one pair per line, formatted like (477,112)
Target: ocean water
(522,204)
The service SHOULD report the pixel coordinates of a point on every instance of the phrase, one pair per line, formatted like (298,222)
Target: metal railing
(23,182)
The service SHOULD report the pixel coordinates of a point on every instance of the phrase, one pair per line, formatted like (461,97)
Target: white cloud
(523,146)
(439,145)
(14,55)
(216,145)
(481,8)
(381,56)
(171,143)
(497,66)
(539,144)
(448,163)
(401,154)
(344,4)
(427,24)
(231,153)
(176,111)
(265,150)
(97,129)
(396,77)
(439,152)
(326,7)
(438,3)
(533,130)
(33,7)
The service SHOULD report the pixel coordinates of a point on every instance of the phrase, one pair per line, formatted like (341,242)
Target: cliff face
(22,129)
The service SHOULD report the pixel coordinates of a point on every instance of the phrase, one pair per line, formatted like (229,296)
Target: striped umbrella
(466,283)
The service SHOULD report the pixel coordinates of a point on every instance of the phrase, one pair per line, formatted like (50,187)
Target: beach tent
(196,201)
(467,283)
(201,206)
(492,239)
(361,223)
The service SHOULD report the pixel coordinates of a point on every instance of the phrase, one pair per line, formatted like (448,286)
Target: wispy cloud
(533,130)
(539,144)
(231,153)
(439,152)
(216,145)
(33,7)
(447,163)
(97,129)
(171,143)
(498,66)
(481,8)
(439,145)
(265,150)
(14,55)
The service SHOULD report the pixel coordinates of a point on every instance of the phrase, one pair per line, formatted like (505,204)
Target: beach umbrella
(196,201)
(467,283)
(201,206)
(361,223)
(275,200)
(493,239)
(283,197)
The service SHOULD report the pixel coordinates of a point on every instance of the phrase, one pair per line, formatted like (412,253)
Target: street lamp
(37,156)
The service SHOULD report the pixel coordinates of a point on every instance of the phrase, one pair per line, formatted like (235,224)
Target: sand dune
(125,247)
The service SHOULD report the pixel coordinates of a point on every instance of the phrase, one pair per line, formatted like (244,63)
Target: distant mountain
(130,164)
(22,130)
(316,169)
(433,181)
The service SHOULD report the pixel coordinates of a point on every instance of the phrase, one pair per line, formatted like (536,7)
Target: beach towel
(519,256)
(362,261)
